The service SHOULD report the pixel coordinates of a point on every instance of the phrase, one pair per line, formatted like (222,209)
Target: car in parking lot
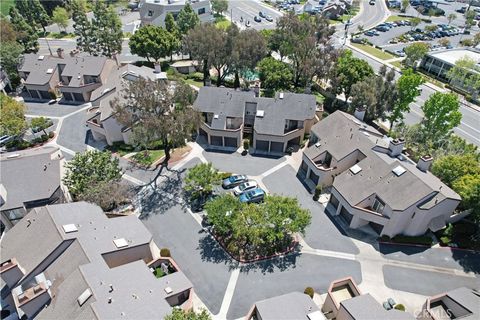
(244,187)
(257,19)
(261,14)
(371,2)
(253,196)
(370,33)
(269,18)
(234,181)
(382,28)
(399,53)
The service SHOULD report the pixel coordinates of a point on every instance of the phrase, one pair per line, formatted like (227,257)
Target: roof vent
(399,170)
(355,169)
(215,116)
(280,95)
(168,290)
(41,57)
(69,228)
(120,243)
(318,144)
(49,71)
(260,113)
(84,297)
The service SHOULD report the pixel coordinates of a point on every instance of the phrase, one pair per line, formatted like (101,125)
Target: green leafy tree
(405,5)
(12,121)
(107,29)
(152,42)
(462,75)
(200,180)
(470,18)
(60,17)
(275,75)
(41,123)
(221,211)
(350,70)
(187,19)
(219,6)
(431,28)
(451,17)
(441,115)
(108,195)
(26,34)
(444,42)
(407,90)
(10,53)
(414,22)
(7,33)
(89,168)
(415,52)
(452,167)
(178,314)
(82,26)
(184,95)
(171,27)
(468,187)
(201,43)
(33,12)
(476,39)
(248,49)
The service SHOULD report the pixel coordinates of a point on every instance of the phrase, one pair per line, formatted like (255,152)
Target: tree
(221,211)
(107,29)
(12,121)
(184,95)
(219,6)
(179,314)
(364,94)
(202,46)
(82,27)
(89,168)
(462,75)
(431,28)
(275,75)
(441,115)
(26,34)
(350,70)
(106,194)
(60,17)
(414,53)
(171,27)
(10,53)
(470,18)
(152,42)
(451,17)
(405,5)
(200,180)
(148,109)
(407,90)
(187,19)
(41,123)
(414,22)
(476,39)
(33,12)
(7,33)
(468,187)
(452,167)
(248,49)
(444,42)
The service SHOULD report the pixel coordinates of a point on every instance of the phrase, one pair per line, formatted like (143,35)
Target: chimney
(60,53)
(424,163)
(256,89)
(360,112)
(280,95)
(395,147)
(158,68)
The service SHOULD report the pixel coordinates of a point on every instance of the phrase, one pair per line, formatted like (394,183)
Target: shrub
(309,291)
(23,145)
(44,137)
(246,144)
(424,240)
(444,241)
(400,307)
(165,252)
(318,192)
(51,134)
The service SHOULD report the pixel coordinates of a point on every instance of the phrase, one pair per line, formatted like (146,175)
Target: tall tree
(275,75)
(179,314)
(468,187)
(82,26)
(108,195)
(414,22)
(248,49)
(407,90)
(187,19)
(451,17)
(33,12)
(26,34)
(201,179)
(414,53)
(219,6)
(171,26)
(60,17)
(405,5)
(7,33)
(452,167)
(107,28)
(10,53)
(441,115)
(152,42)
(12,121)
(465,73)
(148,108)
(470,18)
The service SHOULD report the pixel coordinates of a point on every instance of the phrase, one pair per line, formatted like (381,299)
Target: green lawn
(148,157)
(222,22)
(397,64)
(397,18)
(319,97)
(5,6)
(194,83)
(373,51)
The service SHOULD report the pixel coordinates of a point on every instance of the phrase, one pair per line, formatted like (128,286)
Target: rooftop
(451,56)
(365,307)
(294,305)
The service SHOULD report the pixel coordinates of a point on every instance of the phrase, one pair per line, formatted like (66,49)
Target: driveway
(236,163)
(53,110)
(73,133)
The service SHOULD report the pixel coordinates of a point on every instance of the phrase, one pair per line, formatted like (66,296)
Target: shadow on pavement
(470,261)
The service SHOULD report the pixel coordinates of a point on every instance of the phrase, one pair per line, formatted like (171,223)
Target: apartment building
(272,124)
(69,261)
(461,303)
(75,76)
(29,179)
(154,11)
(372,181)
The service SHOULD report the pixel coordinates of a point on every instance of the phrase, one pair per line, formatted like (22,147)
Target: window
(201,11)
(15,215)
(378,205)
(150,13)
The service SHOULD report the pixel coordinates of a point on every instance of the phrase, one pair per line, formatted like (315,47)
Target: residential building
(5,85)
(69,261)
(438,63)
(344,301)
(372,181)
(154,11)
(75,76)
(29,179)
(103,124)
(294,305)
(461,303)
(273,124)
(185,66)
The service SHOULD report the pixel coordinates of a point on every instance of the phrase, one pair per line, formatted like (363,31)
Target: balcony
(162,267)
(292,125)
(95,120)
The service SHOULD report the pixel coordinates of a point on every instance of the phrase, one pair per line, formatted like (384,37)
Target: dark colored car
(261,14)
(234,181)
(253,196)
(382,28)
(257,19)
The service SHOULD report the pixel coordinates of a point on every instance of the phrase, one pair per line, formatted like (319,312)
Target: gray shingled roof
(469,299)
(25,177)
(38,67)
(294,305)
(365,307)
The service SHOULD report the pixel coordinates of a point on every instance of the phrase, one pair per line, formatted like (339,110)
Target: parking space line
(272,170)
(227,298)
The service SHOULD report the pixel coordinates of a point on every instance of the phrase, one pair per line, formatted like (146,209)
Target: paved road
(370,15)
(248,9)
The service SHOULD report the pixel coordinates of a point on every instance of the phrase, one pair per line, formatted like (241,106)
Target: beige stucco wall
(113,130)
(283,139)
(127,255)
(237,134)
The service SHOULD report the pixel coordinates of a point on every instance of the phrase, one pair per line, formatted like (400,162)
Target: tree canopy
(12,121)
(178,314)
(82,26)
(451,167)
(41,123)
(60,16)
(461,74)
(350,70)
(415,52)
(107,29)
(201,179)
(26,33)
(441,115)
(219,6)
(10,52)
(275,75)
(187,19)
(152,42)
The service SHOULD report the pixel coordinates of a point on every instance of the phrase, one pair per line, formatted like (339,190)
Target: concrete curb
(425,246)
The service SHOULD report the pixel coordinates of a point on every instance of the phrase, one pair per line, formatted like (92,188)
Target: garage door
(262,145)
(231,142)
(334,201)
(376,227)
(78,97)
(216,141)
(276,147)
(346,215)
(294,142)
(34,94)
(67,96)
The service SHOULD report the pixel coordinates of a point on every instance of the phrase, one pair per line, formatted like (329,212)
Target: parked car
(261,14)
(244,187)
(253,196)
(247,24)
(257,19)
(358,40)
(5,139)
(399,53)
(462,9)
(269,18)
(382,28)
(369,33)
(234,181)
(371,2)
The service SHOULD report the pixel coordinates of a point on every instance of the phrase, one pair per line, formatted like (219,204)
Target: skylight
(84,296)
(41,57)
(215,116)
(355,169)
(49,70)
(260,113)
(120,243)
(399,170)
(68,228)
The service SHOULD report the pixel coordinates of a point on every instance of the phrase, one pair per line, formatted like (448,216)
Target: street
(248,9)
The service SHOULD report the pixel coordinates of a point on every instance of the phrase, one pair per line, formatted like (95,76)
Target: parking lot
(244,11)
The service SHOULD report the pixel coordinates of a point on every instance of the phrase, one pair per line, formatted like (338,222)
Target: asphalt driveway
(236,163)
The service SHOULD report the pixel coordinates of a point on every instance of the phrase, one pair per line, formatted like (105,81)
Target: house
(185,66)
(69,261)
(344,301)
(294,305)
(438,63)
(461,303)
(274,124)
(74,76)
(29,179)
(103,124)
(154,11)
(334,10)
(372,182)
